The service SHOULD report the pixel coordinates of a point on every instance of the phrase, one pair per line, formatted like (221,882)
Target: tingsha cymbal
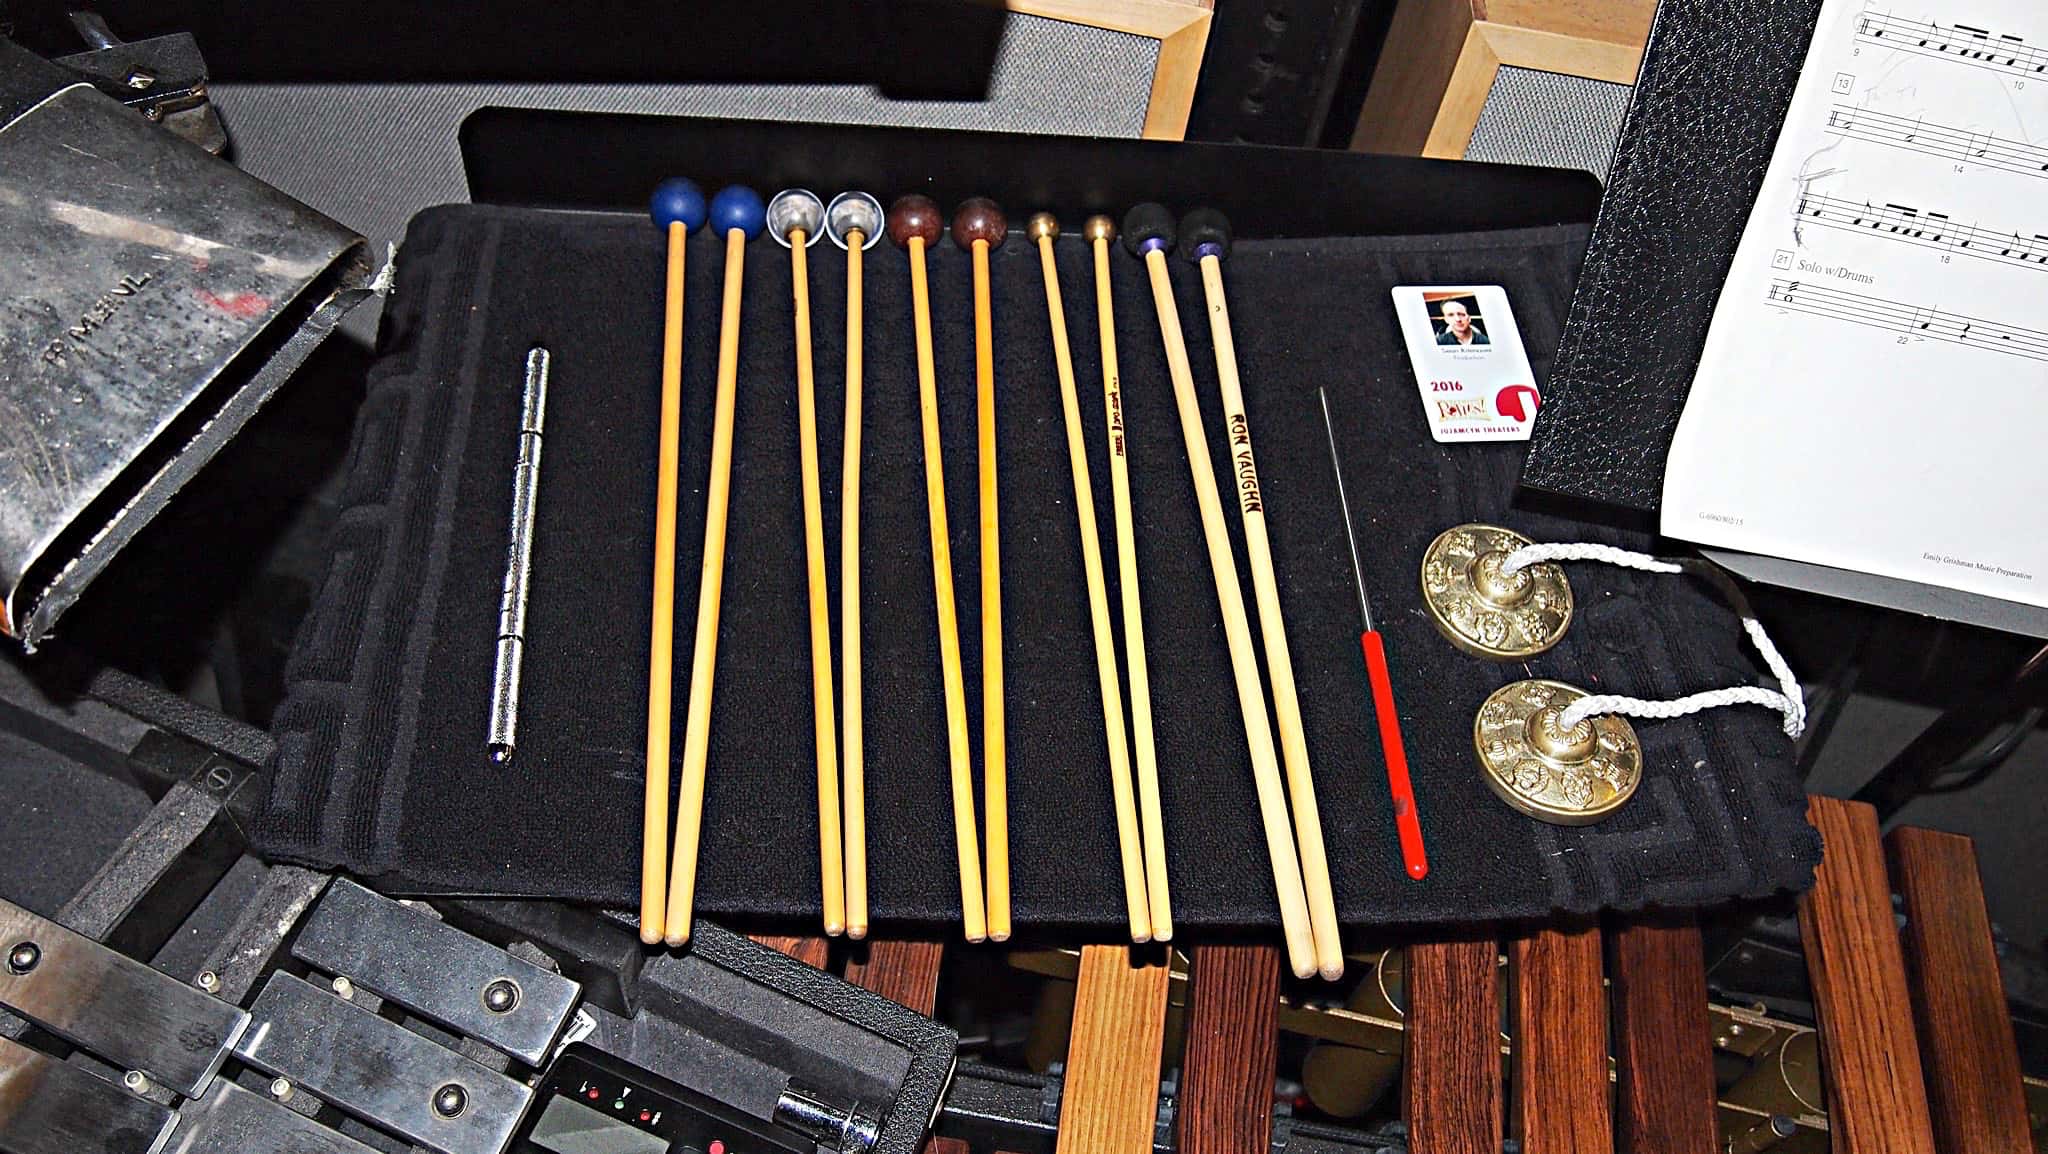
(1485,611)
(1566,776)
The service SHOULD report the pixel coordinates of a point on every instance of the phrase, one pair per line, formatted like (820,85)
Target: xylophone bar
(1966,1037)
(1450,1079)
(1664,1069)
(1559,1017)
(810,951)
(1876,1099)
(1111,1104)
(1232,1049)
(903,972)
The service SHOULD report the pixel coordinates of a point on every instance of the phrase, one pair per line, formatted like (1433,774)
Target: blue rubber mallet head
(738,207)
(677,200)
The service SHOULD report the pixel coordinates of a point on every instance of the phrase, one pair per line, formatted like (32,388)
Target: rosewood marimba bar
(1574,1037)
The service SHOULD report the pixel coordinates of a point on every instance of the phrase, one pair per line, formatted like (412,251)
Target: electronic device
(589,1102)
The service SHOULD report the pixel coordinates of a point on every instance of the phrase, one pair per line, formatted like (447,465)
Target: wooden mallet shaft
(1100,230)
(978,226)
(1204,236)
(853,221)
(796,218)
(1251,698)
(737,212)
(678,207)
(914,222)
(1043,229)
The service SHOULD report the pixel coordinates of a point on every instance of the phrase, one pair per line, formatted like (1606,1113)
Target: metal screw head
(140,79)
(209,981)
(501,996)
(136,1080)
(281,1089)
(24,957)
(450,1100)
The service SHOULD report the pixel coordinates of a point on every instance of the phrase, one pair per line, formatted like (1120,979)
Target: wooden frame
(1180,26)
(1441,56)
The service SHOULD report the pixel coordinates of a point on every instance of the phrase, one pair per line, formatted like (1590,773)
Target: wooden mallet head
(915,217)
(979,218)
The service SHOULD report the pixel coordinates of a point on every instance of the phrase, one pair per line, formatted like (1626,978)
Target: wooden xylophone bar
(1914,1040)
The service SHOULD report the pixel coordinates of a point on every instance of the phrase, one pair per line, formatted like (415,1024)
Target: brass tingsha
(1573,776)
(1484,611)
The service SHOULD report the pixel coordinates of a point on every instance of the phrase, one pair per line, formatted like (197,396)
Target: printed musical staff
(1911,320)
(1927,229)
(1915,135)
(1959,42)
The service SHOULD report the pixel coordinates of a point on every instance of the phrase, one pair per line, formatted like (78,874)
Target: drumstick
(1100,230)
(854,222)
(736,212)
(913,222)
(1205,238)
(678,207)
(795,217)
(978,226)
(1043,229)
(1148,232)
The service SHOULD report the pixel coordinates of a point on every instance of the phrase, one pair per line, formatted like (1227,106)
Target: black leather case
(1716,79)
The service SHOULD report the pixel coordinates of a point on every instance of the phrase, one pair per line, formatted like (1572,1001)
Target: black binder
(1716,80)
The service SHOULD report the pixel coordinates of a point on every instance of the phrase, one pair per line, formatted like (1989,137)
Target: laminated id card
(1469,363)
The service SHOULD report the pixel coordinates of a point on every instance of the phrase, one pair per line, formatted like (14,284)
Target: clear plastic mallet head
(793,209)
(854,210)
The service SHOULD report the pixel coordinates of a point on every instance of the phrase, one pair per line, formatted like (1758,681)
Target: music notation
(1916,135)
(1978,46)
(1911,320)
(1927,229)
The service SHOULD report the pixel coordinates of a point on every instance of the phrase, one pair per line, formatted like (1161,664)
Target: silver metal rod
(846,1130)
(1350,534)
(518,561)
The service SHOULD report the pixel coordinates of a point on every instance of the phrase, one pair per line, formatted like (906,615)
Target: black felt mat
(381,767)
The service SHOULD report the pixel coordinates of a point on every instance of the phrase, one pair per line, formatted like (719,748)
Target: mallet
(854,222)
(978,227)
(1205,239)
(1100,231)
(1148,233)
(1043,229)
(737,214)
(914,223)
(678,207)
(795,218)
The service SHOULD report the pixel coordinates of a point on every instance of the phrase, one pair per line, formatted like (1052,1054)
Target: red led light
(593,1093)
(717,1146)
(646,1115)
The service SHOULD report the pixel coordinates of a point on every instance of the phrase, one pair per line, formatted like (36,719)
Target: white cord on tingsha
(1787,699)
(1529,555)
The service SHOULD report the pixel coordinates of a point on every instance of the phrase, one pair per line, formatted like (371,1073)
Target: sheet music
(1873,394)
